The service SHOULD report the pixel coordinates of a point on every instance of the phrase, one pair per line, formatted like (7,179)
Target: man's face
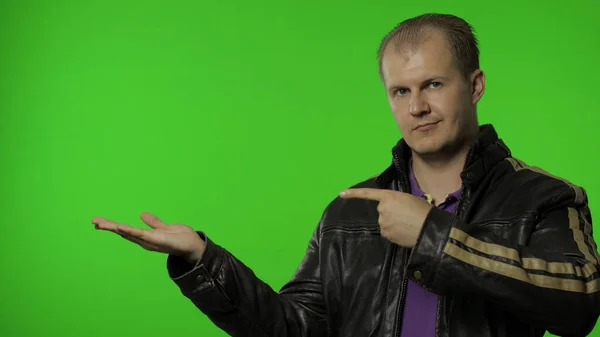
(433,104)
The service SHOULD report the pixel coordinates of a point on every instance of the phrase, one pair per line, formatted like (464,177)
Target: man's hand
(401,215)
(180,240)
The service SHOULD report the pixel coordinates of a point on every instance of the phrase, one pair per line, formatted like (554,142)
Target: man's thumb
(152,220)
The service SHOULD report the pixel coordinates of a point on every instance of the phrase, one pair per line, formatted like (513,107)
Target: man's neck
(441,176)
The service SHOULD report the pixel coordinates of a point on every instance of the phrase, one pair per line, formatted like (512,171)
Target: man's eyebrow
(434,78)
(428,80)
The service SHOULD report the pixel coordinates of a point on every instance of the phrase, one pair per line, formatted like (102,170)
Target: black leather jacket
(517,259)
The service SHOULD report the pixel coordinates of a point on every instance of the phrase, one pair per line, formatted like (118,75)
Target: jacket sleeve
(551,282)
(238,302)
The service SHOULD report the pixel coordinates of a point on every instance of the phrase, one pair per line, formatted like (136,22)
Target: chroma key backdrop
(243,119)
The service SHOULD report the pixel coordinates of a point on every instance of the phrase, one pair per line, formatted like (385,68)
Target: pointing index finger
(364,193)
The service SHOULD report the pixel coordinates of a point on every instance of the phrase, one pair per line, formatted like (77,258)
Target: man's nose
(418,105)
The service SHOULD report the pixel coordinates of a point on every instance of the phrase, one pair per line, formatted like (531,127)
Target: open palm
(177,239)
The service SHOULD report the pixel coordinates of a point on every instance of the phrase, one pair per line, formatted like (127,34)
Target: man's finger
(104,224)
(132,231)
(134,240)
(152,220)
(144,244)
(364,193)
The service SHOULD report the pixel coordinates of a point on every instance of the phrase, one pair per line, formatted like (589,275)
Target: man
(455,238)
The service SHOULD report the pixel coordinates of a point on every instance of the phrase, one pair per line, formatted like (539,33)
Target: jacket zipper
(405,185)
(402,299)
(459,210)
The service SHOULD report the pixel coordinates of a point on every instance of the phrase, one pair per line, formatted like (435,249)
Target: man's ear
(478,85)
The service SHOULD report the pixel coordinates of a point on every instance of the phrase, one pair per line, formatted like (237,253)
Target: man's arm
(552,282)
(239,303)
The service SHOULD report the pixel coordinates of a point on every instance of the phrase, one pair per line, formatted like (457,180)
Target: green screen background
(242,119)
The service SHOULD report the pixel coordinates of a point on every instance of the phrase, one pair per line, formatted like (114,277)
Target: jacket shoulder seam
(519,165)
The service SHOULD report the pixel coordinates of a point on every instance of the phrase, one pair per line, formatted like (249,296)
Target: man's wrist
(196,255)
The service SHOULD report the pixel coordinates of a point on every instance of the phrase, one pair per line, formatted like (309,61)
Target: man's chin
(432,151)
(435,151)
(427,153)
(426,148)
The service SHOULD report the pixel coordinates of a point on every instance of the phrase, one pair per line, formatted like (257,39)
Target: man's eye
(401,92)
(435,84)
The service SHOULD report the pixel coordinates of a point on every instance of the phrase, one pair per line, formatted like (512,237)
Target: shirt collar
(417,191)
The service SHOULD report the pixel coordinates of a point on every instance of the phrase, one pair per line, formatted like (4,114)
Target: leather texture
(516,259)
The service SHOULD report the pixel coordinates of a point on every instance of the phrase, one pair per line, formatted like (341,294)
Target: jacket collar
(485,152)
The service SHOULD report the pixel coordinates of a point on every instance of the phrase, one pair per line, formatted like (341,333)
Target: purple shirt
(420,306)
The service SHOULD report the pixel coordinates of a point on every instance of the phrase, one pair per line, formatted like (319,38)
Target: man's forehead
(432,56)
(415,67)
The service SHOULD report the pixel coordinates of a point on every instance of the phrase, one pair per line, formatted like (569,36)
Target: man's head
(430,68)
